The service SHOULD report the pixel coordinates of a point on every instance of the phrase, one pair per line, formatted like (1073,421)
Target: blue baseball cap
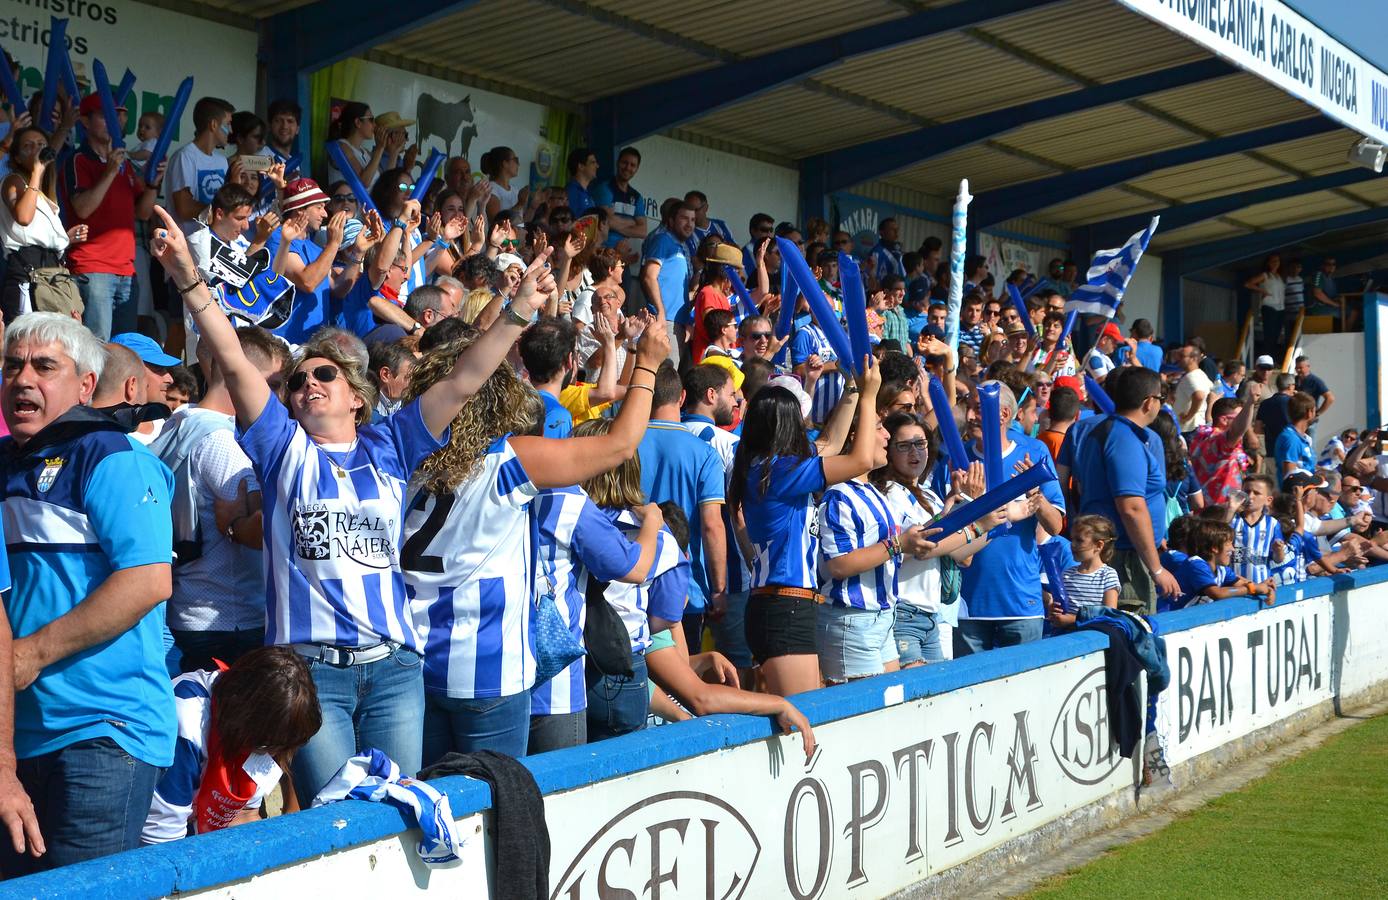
(146,349)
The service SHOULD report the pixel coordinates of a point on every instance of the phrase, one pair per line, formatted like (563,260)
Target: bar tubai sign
(1279,45)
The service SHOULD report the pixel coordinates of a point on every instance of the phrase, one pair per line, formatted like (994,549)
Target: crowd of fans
(426,452)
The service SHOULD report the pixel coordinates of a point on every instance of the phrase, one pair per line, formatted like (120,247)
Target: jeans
(466,725)
(977,635)
(917,635)
(730,634)
(110,304)
(91,799)
(673,330)
(200,648)
(377,704)
(618,704)
(557,732)
(853,643)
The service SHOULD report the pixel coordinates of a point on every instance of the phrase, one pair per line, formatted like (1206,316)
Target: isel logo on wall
(690,843)
(1081,739)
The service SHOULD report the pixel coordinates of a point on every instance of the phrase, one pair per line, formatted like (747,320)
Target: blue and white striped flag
(1109,274)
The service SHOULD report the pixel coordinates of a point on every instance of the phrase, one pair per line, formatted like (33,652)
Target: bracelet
(354,260)
(194,312)
(183,291)
(644,369)
(640,387)
(514,317)
(231,526)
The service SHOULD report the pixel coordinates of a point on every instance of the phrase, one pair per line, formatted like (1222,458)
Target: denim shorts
(917,635)
(779,626)
(853,643)
(730,632)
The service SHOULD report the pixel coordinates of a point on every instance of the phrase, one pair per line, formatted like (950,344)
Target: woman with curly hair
(469,550)
(334,491)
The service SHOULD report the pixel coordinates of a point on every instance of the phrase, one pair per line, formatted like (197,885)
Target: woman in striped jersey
(469,554)
(334,498)
(774,481)
(862,547)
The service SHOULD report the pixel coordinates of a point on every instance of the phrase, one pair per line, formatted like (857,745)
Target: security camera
(1369,154)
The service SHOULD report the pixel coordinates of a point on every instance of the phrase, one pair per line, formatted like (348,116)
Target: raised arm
(565,461)
(476,364)
(249,393)
(850,465)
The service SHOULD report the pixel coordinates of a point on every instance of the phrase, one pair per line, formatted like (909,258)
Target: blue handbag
(554,643)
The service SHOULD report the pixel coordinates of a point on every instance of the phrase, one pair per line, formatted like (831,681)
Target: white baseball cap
(1265,362)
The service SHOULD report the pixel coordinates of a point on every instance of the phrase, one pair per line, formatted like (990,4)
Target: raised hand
(536,285)
(265,226)
(292,228)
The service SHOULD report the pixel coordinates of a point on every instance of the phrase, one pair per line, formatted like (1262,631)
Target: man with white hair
(87,509)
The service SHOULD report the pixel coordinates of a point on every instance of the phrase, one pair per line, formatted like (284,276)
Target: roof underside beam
(1183,214)
(656,107)
(872,159)
(994,207)
(322,33)
(1218,253)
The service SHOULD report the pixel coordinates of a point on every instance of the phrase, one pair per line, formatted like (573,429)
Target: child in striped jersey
(1258,539)
(1091,582)
(1205,575)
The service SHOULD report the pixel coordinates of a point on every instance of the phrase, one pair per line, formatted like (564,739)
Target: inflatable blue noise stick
(13,95)
(1070,318)
(426,176)
(785,322)
(108,105)
(949,429)
(990,414)
(161,146)
(122,92)
(1097,394)
(954,521)
(1021,306)
(854,309)
(1051,564)
(744,299)
(958,243)
(349,175)
(55,71)
(819,304)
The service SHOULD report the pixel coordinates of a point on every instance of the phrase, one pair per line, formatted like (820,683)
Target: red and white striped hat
(302,192)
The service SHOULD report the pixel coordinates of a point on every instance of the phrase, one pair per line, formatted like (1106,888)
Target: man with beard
(681,467)
(665,269)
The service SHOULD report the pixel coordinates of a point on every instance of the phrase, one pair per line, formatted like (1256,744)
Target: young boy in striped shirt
(1257,535)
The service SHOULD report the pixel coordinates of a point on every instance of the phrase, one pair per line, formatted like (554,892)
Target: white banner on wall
(1281,46)
(160,47)
(1229,679)
(1005,256)
(892,797)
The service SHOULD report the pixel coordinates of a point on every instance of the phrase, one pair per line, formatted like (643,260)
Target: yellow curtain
(338,81)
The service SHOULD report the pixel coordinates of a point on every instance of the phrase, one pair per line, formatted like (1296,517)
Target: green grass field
(1316,826)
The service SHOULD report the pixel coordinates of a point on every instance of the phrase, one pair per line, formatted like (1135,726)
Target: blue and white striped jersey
(662,594)
(811,341)
(174,795)
(725,444)
(468,560)
(1088,589)
(1253,546)
(332,528)
(853,515)
(574,537)
(782,524)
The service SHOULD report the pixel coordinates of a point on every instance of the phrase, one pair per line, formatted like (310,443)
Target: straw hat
(726,254)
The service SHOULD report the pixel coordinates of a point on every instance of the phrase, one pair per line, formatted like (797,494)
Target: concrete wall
(927,779)
(1339,360)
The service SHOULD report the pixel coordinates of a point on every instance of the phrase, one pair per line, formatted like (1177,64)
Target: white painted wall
(1143,297)
(1339,360)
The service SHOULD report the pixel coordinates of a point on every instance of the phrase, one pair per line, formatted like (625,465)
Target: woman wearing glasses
(354,127)
(391,195)
(334,498)
(925,612)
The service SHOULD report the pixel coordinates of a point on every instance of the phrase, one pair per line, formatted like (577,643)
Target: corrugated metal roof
(1315,155)
(1211,178)
(985,168)
(1227,105)
(1106,204)
(1296,209)
(776,121)
(1094,136)
(1210,230)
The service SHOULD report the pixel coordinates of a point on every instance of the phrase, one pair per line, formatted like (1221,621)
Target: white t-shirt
(1192,383)
(1098,364)
(917,580)
(203,174)
(1276,288)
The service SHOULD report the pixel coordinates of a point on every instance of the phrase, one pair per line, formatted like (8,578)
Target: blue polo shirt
(580,201)
(673,276)
(1003,581)
(559,422)
(312,309)
(1130,462)
(678,465)
(85,500)
(623,203)
(1294,447)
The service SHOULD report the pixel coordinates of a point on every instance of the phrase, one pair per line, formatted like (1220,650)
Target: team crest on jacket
(51,468)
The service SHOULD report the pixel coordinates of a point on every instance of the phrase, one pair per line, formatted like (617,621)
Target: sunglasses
(405,186)
(908,446)
(344,198)
(759,336)
(322,374)
(515,243)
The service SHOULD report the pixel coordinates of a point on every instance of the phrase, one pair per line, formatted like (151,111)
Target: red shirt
(708,298)
(110,244)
